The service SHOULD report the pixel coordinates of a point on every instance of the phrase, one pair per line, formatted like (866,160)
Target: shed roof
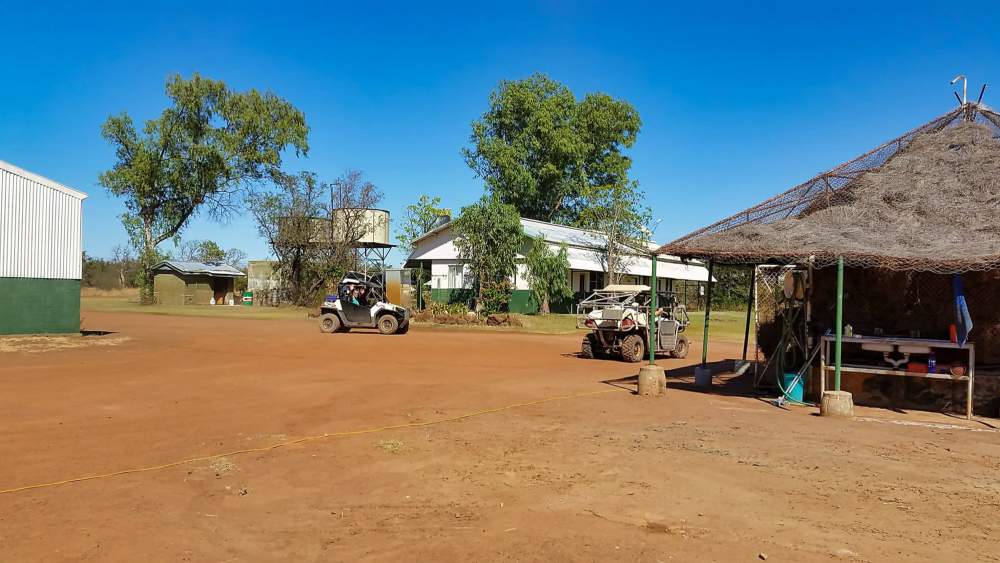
(926,201)
(214,269)
(8,167)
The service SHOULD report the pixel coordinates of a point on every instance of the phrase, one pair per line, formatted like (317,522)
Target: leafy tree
(210,251)
(488,237)
(205,150)
(540,150)
(312,228)
(418,219)
(126,266)
(617,212)
(548,273)
(286,220)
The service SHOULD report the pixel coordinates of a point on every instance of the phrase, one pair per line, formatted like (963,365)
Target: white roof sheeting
(583,249)
(41,226)
(199,268)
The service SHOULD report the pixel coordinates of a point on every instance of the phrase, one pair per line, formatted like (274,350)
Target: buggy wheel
(633,348)
(388,324)
(329,323)
(587,348)
(681,349)
(404,329)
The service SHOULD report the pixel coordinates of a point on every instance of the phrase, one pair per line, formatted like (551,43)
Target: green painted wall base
(522,301)
(39,306)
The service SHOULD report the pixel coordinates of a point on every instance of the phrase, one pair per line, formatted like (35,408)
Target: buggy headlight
(628,324)
(590,323)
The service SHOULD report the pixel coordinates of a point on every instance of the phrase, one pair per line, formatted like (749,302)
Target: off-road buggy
(359,303)
(617,317)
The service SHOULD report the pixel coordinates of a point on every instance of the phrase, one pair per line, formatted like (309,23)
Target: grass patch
(391,446)
(125,304)
(725,325)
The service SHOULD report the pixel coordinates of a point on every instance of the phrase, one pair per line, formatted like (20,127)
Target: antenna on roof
(965,88)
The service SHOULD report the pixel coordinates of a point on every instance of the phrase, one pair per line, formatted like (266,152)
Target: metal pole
(746,331)
(651,321)
(840,322)
(708,313)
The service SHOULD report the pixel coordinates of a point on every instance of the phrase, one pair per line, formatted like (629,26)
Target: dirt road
(611,476)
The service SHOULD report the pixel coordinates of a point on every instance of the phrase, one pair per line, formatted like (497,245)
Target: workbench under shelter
(900,248)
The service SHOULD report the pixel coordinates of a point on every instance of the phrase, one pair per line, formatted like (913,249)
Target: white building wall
(41,227)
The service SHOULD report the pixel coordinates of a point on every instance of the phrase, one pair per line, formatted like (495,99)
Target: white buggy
(359,303)
(618,319)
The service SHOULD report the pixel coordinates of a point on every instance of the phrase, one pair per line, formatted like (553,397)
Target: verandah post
(840,322)
(708,313)
(746,330)
(651,321)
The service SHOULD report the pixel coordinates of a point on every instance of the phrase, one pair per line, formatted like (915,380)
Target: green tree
(488,237)
(617,212)
(548,273)
(540,150)
(418,219)
(210,251)
(204,152)
(286,219)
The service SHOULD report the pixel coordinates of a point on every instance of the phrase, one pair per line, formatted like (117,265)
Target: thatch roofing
(926,201)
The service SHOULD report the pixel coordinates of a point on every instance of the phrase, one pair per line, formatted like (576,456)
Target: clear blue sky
(738,102)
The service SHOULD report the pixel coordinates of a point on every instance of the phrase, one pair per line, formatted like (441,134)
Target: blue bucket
(792,392)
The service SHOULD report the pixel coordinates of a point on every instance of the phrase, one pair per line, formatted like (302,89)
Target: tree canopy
(312,227)
(488,237)
(617,212)
(204,151)
(548,273)
(418,219)
(540,150)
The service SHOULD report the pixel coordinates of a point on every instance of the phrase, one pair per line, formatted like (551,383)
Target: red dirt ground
(688,477)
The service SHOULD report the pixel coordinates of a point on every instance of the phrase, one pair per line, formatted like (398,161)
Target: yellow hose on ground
(343,434)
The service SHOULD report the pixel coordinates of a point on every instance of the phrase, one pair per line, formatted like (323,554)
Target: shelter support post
(652,321)
(708,313)
(750,297)
(652,379)
(840,323)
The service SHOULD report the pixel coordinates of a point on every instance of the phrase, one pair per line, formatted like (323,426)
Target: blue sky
(738,102)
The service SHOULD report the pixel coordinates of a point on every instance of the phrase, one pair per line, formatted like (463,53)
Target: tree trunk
(146,263)
(545,305)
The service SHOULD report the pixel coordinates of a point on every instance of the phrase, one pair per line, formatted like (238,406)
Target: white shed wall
(41,232)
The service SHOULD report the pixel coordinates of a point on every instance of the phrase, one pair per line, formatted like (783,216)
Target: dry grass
(130,293)
(391,446)
(37,344)
(934,206)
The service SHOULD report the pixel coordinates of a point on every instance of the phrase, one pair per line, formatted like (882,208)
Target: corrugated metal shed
(41,226)
(217,269)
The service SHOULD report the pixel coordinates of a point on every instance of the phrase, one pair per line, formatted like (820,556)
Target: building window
(596,281)
(454,276)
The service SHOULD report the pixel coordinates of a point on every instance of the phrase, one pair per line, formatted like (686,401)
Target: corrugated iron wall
(40,230)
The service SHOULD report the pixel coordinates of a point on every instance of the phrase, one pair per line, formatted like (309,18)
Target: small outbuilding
(178,282)
(41,247)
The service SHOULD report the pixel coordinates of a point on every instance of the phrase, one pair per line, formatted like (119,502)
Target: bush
(495,297)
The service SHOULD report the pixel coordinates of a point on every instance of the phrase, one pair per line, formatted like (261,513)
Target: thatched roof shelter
(926,201)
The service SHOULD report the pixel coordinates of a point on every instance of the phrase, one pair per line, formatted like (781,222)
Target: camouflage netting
(928,201)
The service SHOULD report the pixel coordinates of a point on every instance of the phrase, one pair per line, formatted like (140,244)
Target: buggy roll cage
(633,299)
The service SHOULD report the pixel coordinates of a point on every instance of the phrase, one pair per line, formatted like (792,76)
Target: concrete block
(837,403)
(652,380)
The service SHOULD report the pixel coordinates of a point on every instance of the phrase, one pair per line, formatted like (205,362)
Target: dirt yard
(607,476)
